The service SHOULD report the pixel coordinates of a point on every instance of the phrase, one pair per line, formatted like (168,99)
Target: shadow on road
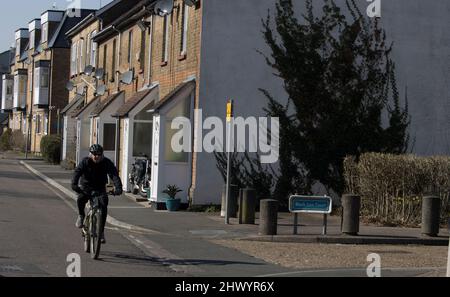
(111,257)
(15,175)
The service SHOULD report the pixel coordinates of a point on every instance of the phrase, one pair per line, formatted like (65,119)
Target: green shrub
(68,164)
(5,140)
(18,141)
(392,186)
(51,149)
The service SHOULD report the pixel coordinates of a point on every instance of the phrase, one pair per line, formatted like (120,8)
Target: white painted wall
(232,69)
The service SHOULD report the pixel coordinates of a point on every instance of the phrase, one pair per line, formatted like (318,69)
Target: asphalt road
(38,234)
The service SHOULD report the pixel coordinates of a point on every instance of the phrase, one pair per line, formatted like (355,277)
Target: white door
(155,157)
(64,154)
(78,142)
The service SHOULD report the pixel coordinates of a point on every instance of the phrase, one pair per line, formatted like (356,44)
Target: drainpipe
(116,72)
(150,52)
(30,117)
(117,142)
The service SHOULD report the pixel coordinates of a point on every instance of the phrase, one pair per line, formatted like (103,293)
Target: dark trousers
(103,202)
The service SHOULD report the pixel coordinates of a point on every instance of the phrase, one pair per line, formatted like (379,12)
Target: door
(155,157)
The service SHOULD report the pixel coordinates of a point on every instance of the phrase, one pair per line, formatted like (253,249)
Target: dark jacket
(94,177)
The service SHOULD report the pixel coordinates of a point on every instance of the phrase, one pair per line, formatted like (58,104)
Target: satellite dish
(88,70)
(164,7)
(127,77)
(101,90)
(99,73)
(143,25)
(70,86)
(190,2)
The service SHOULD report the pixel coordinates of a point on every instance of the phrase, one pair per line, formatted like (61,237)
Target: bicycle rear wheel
(86,236)
(96,227)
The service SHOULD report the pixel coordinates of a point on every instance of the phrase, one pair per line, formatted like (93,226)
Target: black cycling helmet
(96,149)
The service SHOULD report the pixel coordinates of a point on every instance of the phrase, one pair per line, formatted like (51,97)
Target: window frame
(165,40)
(184,30)
(130,48)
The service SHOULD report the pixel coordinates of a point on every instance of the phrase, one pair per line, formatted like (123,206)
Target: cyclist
(93,172)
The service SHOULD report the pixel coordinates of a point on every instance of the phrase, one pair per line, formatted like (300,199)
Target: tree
(340,81)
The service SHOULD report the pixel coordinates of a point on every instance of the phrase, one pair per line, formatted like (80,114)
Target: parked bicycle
(140,176)
(93,226)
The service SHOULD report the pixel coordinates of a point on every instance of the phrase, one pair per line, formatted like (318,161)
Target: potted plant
(172,203)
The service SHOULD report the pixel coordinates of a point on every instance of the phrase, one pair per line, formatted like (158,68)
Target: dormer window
(44,38)
(18,47)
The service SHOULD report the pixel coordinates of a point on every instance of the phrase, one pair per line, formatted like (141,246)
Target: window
(44,37)
(182,109)
(81,51)
(142,52)
(38,124)
(142,139)
(24,125)
(44,77)
(16,91)
(9,88)
(130,48)
(93,47)
(18,47)
(143,132)
(109,137)
(165,48)
(23,85)
(32,39)
(73,60)
(113,64)
(46,125)
(105,50)
(184,29)
(88,49)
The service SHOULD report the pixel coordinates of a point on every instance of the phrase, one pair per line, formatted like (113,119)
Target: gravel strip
(305,255)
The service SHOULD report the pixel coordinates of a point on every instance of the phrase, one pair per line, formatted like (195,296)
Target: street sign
(229,110)
(229,137)
(310,204)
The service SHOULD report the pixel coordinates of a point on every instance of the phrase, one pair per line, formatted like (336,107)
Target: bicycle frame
(92,226)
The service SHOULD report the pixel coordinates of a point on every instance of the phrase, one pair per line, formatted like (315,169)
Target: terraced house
(34,91)
(115,87)
(17,83)
(48,59)
(156,61)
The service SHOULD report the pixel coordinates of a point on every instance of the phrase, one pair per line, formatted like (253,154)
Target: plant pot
(173,204)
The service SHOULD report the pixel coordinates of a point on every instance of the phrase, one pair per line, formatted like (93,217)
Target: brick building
(153,71)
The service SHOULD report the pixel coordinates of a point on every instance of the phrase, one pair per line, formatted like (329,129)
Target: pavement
(126,213)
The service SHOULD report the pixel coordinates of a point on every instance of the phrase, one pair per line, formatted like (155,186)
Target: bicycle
(93,226)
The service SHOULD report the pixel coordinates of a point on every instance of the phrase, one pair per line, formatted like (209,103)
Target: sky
(17,14)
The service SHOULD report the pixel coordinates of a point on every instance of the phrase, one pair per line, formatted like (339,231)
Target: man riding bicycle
(93,172)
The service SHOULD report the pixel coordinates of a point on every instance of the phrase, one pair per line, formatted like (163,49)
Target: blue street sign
(310,204)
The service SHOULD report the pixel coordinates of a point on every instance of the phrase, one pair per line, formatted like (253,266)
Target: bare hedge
(392,186)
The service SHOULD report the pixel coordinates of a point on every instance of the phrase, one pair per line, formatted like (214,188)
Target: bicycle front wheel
(86,236)
(96,227)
